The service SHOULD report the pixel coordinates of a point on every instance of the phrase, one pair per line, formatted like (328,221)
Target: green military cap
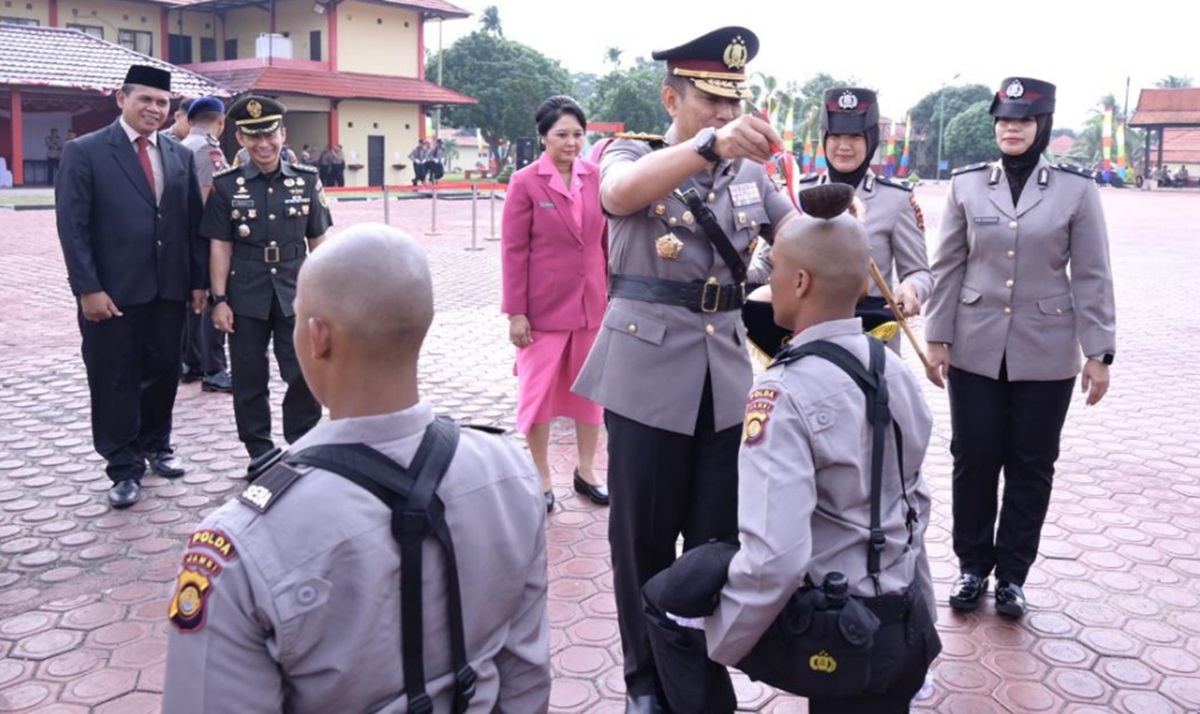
(256,115)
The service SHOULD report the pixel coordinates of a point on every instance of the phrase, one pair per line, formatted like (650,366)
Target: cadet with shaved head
(832,510)
(289,598)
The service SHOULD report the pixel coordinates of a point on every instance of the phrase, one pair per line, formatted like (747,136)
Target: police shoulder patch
(889,181)
(759,406)
(305,168)
(1072,169)
(967,169)
(267,489)
(225,171)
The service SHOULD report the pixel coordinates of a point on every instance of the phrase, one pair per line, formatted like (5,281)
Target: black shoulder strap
(416,512)
(716,236)
(873,383)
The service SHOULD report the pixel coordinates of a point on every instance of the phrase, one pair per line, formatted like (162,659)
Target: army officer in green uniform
(263,218)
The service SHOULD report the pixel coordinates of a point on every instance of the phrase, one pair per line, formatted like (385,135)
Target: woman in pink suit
(554,244)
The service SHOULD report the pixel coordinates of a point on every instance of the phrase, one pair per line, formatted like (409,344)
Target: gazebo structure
(1174,114)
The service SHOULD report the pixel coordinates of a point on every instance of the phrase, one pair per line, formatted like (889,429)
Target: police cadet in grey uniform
(1022,281)
(805,487)
(670,365)
(259,216)
(289,598)
(203,344)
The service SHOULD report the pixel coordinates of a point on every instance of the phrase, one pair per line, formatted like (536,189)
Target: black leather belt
(269,253)
(707,297)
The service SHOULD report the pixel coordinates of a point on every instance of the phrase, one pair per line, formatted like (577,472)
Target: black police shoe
(967,589)
(124,494)
(187,375)
(1010,599)
(219,382)
(643,704)
(166,465)
(596,494)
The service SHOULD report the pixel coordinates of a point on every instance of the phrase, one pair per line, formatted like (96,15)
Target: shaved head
(371,287)
(820,269)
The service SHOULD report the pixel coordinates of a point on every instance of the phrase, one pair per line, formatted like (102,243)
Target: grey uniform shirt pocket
(1058,305)
(968,296)
(634,325)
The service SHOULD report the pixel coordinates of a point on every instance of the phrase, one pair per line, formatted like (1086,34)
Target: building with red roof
(1172,116)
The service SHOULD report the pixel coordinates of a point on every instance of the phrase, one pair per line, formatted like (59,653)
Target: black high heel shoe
(596,494)
(549,496)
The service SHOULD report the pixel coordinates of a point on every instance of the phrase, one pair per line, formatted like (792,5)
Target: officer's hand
(199,301)
(906,296)
(938,355)
(747,137)
(222,316)
(1094,381)
(98,307)
(519,331)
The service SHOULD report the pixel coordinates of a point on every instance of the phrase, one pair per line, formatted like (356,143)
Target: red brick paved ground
(1115,618)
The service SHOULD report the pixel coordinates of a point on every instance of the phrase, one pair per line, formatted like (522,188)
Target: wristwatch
(1106,358)
(705,144)
(217,299)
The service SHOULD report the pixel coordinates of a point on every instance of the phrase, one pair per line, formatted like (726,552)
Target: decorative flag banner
(806,159)
(904,156)
(1121,166)
(789,131)
(819,165)
(1106,133)
(889,163)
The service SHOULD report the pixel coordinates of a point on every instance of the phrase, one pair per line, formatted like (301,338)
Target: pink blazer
(554,273)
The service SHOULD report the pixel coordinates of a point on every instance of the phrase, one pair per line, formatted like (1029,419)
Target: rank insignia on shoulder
(1071,169)
(889,181)
(969,168)
(486,428)
(225,171)
(656,141)
(267,488)
(808,178)
(305,167)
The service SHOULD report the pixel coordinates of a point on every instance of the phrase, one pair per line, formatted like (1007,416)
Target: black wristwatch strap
(217,299)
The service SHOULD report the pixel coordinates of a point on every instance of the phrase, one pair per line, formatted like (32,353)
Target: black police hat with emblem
(714,62)
(1021,97)
(849,110)
(256,115)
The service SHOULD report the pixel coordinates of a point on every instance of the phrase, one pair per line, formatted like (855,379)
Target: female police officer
(1005,326)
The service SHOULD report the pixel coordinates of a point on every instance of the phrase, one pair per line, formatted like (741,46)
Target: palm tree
(1173,82)
(490,21)
(612,55)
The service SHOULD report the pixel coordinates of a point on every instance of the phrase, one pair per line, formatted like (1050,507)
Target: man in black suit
(128,208)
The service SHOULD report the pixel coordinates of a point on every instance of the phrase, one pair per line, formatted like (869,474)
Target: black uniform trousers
(1015,426)
(203,344)
(663,484)
(133,373)
(252,373)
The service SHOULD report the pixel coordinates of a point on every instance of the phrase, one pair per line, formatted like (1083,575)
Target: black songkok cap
(149,76)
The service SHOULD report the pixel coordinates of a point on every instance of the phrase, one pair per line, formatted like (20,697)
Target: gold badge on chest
(669,247)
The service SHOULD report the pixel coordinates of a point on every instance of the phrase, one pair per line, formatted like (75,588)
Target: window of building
(231,49)
(314,45)
(208,49)
(179,49)
(21,21)
(93,30)
(136,40)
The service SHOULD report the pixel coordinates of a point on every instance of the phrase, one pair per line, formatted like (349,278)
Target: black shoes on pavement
(1010,599)
(220,382)
(596,494)
(967,591)
(124,494)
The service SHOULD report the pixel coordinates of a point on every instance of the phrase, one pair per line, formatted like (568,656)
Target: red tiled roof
(1167,106)
(245,75)
(1060,145)
(1180,146)
(70,59)
(435,8)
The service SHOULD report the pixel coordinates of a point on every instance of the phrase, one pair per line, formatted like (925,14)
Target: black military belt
(709,296)
(269,253)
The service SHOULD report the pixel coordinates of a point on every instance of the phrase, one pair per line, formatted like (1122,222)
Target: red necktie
(144,159)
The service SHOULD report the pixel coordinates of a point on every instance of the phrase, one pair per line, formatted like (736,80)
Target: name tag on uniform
(744,194)
(242,202)
(545,204)
(987,219)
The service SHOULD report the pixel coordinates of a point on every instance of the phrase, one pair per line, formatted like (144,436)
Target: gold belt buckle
(716,293)
(271,254)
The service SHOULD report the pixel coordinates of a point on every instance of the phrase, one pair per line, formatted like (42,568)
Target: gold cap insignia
(735,53)
(254,109)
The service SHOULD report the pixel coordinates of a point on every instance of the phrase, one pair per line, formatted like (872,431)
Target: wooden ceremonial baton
(891,301)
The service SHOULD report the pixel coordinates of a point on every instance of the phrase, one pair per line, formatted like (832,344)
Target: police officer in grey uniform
(805,481)
(259,216)
(203,344)
(670,364)
(1022,282)
(288,598)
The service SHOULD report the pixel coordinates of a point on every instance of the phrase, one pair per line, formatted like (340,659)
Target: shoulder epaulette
(486,428)
(808,178)
(1072,169)
(224,171)
(267,488)
(967,169)
(656,141)
(889,181)
(305,167)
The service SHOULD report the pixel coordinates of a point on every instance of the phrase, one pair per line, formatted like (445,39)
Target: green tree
(489,20)
(583,86)
(1063,131)
(507,78)
(1174,82)
(1088,148)
(612,56)
(924,115)
(632,96)
(970,137)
